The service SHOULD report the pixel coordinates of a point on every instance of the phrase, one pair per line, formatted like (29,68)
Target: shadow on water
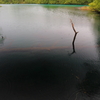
(37,77)
(90,85)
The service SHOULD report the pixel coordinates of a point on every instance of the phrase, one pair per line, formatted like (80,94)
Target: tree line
(46,1)
(94,4)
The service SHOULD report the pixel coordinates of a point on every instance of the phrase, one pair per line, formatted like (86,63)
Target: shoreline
(84,8)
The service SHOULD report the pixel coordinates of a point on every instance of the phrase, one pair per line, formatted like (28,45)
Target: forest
(94,4)
(46,1)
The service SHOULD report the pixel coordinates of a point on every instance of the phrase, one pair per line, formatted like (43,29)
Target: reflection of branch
(73,38)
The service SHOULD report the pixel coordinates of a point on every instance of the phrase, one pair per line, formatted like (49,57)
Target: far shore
(81,8)
(84,8)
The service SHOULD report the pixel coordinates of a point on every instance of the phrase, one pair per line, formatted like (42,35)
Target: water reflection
(1,39)
(96,27)
(73,45)
(91,83)
(37,62)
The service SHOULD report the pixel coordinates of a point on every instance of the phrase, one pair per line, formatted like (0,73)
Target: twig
(73,27)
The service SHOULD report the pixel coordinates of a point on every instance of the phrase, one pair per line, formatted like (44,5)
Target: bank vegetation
(93,4)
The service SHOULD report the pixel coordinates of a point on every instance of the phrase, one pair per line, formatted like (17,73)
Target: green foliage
(95,5)
(1,1)
(47,1)
(78,2)
(29,1)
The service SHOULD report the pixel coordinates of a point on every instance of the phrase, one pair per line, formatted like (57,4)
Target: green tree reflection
(91,83)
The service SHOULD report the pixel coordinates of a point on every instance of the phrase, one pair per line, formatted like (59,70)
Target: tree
(78,2)
(95,5)
(48,1)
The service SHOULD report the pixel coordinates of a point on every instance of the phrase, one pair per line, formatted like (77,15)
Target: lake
(39,57)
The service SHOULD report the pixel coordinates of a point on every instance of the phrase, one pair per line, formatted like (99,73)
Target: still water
(38,60)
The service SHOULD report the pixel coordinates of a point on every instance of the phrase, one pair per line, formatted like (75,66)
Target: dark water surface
(37,58)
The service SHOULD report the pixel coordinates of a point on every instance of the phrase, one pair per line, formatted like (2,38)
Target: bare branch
(73,45)
(73,27)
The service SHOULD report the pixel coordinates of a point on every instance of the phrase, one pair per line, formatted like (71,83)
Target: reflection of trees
(50,6)
(91,83)
(97,27)
(95,21)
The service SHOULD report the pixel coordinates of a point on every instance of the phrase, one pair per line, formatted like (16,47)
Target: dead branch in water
(73,27)
(74,37)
